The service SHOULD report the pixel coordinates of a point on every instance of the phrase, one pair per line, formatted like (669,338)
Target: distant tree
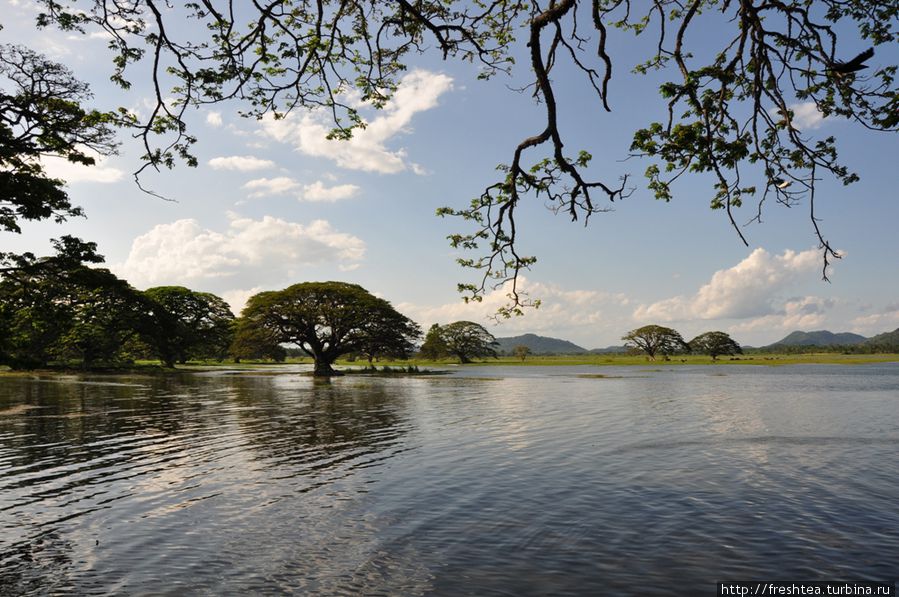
(327,320)
(655,339)
(41,115)
(467,340)
(252,341)
(388,333)
(714,344)
(521,351)
(433,347)
(191,324)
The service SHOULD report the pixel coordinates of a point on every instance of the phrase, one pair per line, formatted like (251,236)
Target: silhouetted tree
(327,320)
(467,340)
(714,344)
(190,324)
(655,339)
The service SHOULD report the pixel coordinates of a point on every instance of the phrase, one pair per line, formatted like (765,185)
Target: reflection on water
(492,481)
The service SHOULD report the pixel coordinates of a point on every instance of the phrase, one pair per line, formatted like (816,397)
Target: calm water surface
(489,481)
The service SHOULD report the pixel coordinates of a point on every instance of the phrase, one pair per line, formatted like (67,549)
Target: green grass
(598,360)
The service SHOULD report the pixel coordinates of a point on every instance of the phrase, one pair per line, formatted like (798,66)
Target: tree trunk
(323,368)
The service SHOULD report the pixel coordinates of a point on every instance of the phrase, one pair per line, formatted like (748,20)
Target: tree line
(63,310)
(658,340)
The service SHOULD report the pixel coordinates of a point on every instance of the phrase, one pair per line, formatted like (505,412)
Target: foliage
(41,115)
(731,102)
(254,342)
(190,324)
(467,340)
(433,348)
(327,320)
(655,339)
(521,351)
(715,344)
(56,309)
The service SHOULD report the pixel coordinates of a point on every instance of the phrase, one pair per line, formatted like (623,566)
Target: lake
(486,481)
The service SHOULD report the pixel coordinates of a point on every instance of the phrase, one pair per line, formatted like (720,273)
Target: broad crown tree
(327,320)
(655,339)
(467,340)
(191,324)
(715,344)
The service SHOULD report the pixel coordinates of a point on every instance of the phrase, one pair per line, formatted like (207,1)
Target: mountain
(819,338)
(887,340)
(538,345)
(609,350)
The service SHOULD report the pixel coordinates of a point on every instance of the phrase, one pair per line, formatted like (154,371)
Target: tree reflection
(318,427)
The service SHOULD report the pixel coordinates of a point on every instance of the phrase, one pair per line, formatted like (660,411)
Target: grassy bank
(613,360)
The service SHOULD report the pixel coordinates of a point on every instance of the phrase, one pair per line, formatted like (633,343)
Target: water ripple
(496,481)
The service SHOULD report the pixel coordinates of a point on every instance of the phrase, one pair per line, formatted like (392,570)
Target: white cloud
(75,173)
(317,191)
(262,187)
(214,119)
(807,116)
(367,150)
(244,163)
(746,290)
(237,299)
(877,323)
(580,316)
(263,251)
(806,313)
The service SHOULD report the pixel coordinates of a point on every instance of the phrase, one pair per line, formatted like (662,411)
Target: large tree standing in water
(328,319)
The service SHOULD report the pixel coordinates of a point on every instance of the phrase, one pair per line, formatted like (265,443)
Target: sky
(273,203)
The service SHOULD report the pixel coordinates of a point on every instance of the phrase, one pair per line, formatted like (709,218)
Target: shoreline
(395,368)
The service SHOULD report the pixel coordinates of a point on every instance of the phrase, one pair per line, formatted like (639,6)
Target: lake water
(488,481)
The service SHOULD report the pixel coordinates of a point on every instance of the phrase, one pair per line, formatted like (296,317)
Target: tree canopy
(327,320)
(655,339)
(57,309)
(715,344)
(434,347)
(467,340)
(41,115)
(730,101)
(191,324)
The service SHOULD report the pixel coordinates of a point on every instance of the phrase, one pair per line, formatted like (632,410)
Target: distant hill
(539,345)
(609,350)
(819,338)
(888,340)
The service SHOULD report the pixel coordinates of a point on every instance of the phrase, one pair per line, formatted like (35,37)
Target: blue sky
(274,203)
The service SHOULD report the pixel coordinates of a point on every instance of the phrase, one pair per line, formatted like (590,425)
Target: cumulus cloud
(746,290)
(803,313)
(263,187)
(317,191)
(368,149)
(77,173)
(243,163)
(248,251)
(214,119)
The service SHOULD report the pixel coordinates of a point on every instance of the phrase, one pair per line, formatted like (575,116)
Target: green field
(611,360)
